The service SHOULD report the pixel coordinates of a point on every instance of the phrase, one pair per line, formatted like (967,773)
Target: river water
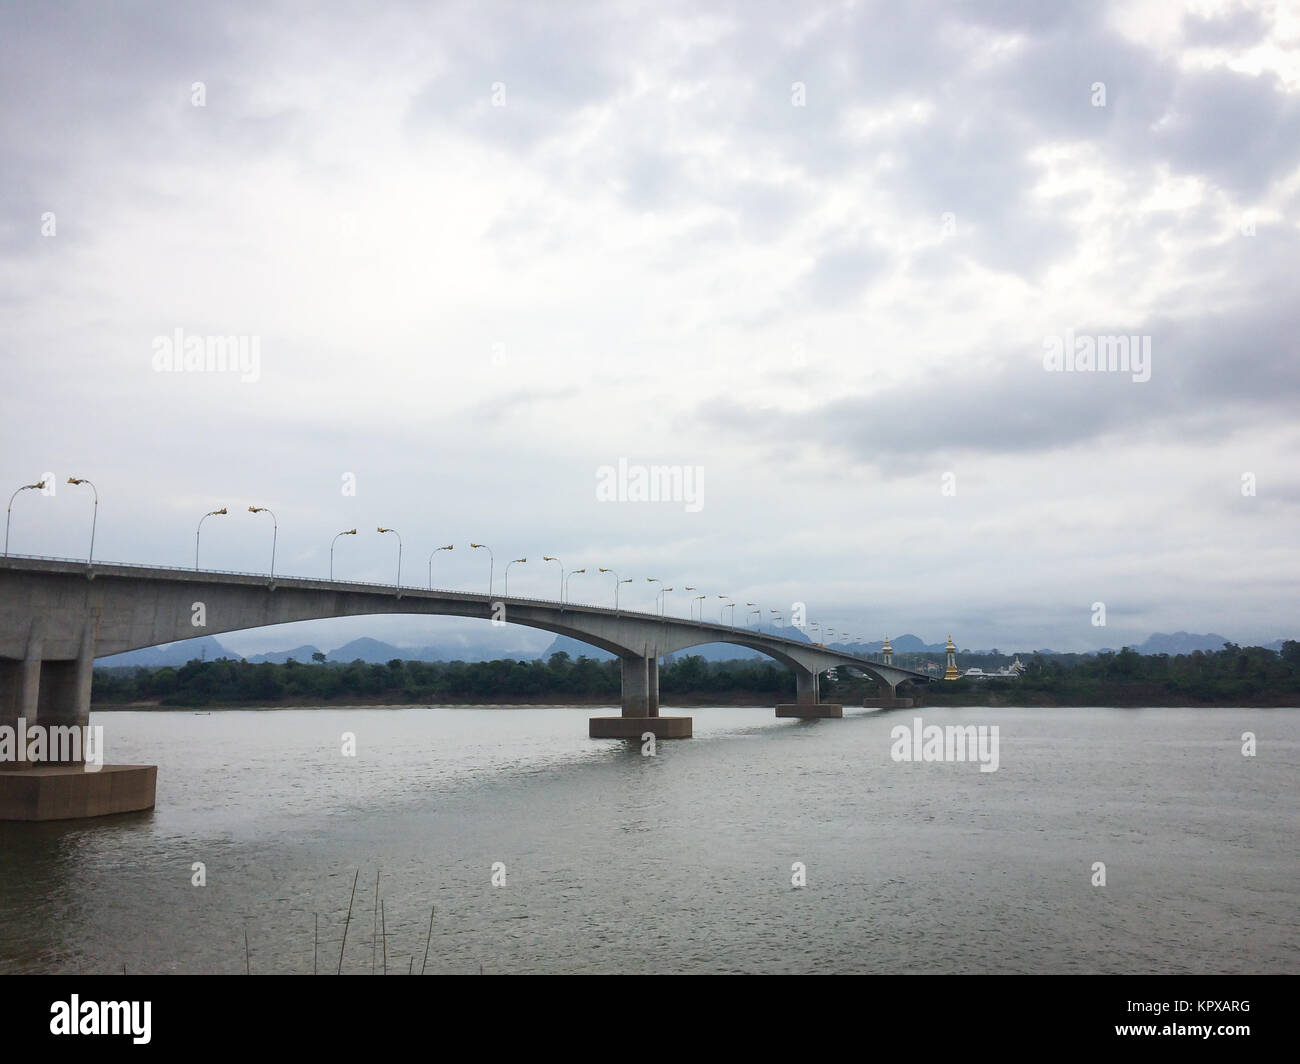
(679,862)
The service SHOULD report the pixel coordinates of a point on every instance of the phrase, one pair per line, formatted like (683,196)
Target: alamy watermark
(657,483)
(1087,353)
(75,1016)
(956,742)
(208,354)
(58,744)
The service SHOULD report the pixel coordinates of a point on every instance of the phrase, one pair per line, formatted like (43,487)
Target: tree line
(229,682)
(1233,675)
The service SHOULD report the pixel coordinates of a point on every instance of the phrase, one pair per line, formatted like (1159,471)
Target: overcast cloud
(815,249)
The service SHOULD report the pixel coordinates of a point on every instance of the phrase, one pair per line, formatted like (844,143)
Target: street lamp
(570,577)
(94,515)
(275,531)
(448,547)
(732,603)
(663,597)
(548,558)
(617,581)
(491,563)
(759,612)
(780,618)
(700,599)
(210,513)
(38,486)
(816,625)
(655,580)
(399,551)
(349,532)
(517,561)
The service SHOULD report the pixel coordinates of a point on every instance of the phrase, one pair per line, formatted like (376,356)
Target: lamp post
(617,581)
(549,558)
(780,617)
(732,603)
(349,532)
(516,561)
(38,486)
(210,513)
(399,551)
(491,562)
(759,612)
(815,625)
(571,575)
(700,599)
(448,547)
(93,517)
(275,530)
(663,597)
(655,580)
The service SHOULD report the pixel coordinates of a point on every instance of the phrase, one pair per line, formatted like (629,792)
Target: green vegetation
(1232,676)
(559,679)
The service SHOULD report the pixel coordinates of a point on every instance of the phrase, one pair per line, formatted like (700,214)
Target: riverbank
(378,702)
(1029,701)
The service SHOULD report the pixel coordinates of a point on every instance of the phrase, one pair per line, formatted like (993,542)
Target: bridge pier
(51,699)
(640,706)
(807,704)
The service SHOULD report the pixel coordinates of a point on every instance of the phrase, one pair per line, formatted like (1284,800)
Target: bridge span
(58,615)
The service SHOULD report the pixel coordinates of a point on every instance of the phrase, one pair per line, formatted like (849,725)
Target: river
(608,860)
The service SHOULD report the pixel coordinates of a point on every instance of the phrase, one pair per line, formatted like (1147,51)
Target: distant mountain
(719,652)
(173,654)
(1180,643)
(575,649)
(302,655)
(903,644)
(708,651)
(371,651)
(374,651)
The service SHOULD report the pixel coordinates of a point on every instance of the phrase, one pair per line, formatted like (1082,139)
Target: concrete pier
(806,711)
(69,792)
(636,727)
(640,706)
(807,704)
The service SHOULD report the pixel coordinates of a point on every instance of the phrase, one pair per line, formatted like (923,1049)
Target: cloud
(715,235)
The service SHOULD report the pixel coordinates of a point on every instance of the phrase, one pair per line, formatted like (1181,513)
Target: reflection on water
(680,862)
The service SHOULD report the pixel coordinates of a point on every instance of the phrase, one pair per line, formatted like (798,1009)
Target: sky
(488,261)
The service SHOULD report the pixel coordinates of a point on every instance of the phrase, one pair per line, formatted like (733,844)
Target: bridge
(58,615)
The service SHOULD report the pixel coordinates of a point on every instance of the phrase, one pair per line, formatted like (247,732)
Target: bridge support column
(20,689)
(640,706)
(806,705)
(53,703)
(652,686)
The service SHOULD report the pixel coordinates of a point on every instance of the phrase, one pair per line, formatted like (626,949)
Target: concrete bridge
(57,616)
